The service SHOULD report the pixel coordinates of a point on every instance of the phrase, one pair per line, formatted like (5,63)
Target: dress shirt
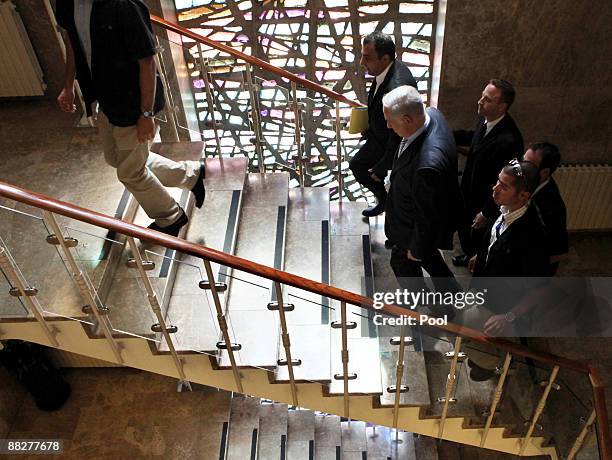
(491,124)
(505,219)
(82,17)
(381,78)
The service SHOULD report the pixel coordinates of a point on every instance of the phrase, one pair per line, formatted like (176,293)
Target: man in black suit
(495,142)
(371,163)
(424,197)
(511,256)
(548,200)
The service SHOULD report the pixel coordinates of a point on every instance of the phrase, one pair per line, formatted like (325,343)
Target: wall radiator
(587,192)
(20,72)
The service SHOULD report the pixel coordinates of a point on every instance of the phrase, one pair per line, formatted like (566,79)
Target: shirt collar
(491,124)
(381,77)
(540,187)
(406,141)
(511,216)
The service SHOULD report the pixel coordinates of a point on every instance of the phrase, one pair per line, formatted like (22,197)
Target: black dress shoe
(198,189)
(174,228)
(374,211)
(389,244)
(461,261)
(480,374)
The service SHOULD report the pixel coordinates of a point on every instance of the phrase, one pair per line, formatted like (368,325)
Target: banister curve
(53,205)
(253,60)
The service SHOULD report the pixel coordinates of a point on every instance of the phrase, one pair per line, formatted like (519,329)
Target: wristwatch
(147,114)
(509,317)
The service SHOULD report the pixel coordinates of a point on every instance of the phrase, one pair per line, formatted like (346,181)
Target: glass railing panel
(10,306)
(24,235)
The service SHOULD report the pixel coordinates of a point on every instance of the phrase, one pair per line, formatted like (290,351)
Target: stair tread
(363,361)
(414,376)
(244,419)
(405,448)
(328,431)
(300,434)
(272,430)
(309,343)
(353,437)
(308,204)
(378,441)
(346,218)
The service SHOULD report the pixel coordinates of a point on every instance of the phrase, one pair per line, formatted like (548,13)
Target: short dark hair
(551,156)
(383,44)
(525,180)
(507,90)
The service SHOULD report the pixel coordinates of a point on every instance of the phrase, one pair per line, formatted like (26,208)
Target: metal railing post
(286,341)
(345,377)
(398,376)
(450,383)
(339,152)
(154,303)
(169,105)
(581,436)
(85,290)
(223,324)
(298,133)
(496,398)
(255,118)
(539,409)
(29,296)
(210,100)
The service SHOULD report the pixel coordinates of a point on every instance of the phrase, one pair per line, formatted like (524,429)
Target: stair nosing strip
(325,268)
(279,244)
(223,447)
(230,232)
(368,328)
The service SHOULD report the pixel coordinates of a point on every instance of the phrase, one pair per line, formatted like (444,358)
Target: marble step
(261,238)
(243,428)
(192,309)
(354,445)
(301,435)
(307,254)
(272,436)
(328,437)
(350,263)
(403,446)
(426,448)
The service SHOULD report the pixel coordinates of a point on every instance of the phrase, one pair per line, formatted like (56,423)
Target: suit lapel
(489,138)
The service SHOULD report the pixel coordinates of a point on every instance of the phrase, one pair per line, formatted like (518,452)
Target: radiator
(587,192)
(20,73)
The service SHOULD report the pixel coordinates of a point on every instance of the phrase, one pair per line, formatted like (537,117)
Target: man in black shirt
(548,201)
(110,50)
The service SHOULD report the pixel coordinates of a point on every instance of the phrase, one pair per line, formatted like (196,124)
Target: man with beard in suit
(371,163)
(423,200)
(493,144)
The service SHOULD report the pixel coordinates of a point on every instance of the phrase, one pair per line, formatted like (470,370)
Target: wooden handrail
(253,60)
(46,203)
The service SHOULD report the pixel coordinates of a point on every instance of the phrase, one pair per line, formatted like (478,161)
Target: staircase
(258,218)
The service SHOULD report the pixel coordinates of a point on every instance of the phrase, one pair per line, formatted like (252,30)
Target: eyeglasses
(517,169)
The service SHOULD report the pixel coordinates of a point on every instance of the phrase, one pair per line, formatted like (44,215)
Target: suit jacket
(551,208)
(520,251)
(424,202)
(486,158)
(379,137)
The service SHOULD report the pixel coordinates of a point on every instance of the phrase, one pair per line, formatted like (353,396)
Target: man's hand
(145,129)
(66,100)
(495,325)
(373,175)
(480,221)
(472,264)
(411,257)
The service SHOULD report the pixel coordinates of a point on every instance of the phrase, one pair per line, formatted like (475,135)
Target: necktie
(372,92)
(402,146)
(498,227)
(480,134)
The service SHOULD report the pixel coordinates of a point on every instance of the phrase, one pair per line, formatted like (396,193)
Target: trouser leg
(129,157)
(363,160)
(181,174)
(441,275)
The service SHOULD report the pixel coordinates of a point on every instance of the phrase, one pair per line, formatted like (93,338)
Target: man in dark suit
(424,194)
(548,200)
(511,257)
(371,163)
(495,142)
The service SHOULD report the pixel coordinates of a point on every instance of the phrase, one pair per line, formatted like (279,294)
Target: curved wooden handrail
(253,60)
(46,203)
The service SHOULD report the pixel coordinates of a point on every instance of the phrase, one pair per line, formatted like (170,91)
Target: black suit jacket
(520,251)
(380,138)
(551,208)
(424,199)
(486,158)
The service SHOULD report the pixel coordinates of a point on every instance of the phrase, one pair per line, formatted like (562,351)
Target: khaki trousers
(146,174)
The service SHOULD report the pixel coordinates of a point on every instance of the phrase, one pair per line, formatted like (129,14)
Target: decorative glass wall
(316,39)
